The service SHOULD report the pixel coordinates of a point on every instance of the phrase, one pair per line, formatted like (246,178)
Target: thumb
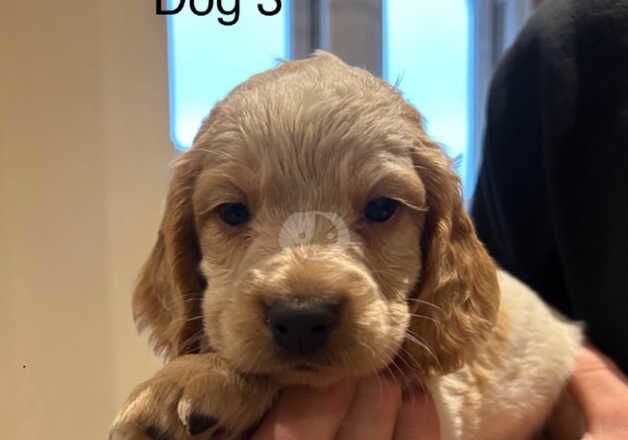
(305,413)
(417,418)
(600,388)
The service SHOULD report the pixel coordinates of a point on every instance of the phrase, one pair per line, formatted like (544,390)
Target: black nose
(301,329)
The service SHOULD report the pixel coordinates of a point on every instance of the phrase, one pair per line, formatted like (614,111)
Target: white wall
(84,154)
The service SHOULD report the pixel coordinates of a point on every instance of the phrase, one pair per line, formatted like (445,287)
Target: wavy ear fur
(167,299)
(457,296)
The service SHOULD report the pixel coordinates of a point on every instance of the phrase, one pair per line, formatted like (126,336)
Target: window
(207,59)
(441,53)
(426,53)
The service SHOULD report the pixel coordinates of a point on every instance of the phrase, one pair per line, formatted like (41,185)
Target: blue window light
(426,50)
(207,59)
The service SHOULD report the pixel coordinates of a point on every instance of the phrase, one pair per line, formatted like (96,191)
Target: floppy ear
(457,297)
(167,299)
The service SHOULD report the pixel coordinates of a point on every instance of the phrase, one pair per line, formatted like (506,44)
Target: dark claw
(200,423)
(157,434)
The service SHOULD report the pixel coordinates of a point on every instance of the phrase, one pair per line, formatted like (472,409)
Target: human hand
(602,393)
(372,408)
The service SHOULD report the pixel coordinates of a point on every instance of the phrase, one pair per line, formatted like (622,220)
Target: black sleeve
(552,194)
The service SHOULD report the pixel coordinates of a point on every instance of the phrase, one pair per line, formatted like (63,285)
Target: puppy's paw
(194,397)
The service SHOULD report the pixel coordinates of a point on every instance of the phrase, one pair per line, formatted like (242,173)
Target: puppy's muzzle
(301,327)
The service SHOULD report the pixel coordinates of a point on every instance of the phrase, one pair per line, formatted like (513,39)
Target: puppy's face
(317,212)
(309,246)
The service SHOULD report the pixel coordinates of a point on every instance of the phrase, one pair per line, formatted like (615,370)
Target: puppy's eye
(380,209)
(234,214)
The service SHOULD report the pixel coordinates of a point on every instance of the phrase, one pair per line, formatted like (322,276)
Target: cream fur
(533,366)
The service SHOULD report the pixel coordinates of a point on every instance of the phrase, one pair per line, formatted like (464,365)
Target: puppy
(314,232)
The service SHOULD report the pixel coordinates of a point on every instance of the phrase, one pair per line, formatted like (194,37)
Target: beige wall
(84,151)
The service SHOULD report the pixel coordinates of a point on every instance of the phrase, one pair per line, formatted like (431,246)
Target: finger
(599,387)
(591,359)
(417,418)
(373,411)
(305,413)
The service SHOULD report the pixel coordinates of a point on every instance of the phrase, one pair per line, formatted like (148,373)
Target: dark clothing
(551,202)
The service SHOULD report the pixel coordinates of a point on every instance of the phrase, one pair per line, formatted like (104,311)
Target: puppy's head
(313,232)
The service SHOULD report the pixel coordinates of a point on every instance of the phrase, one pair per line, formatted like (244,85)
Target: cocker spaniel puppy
(315,232)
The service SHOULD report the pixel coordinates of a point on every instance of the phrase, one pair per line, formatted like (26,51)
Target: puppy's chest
(511,391)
